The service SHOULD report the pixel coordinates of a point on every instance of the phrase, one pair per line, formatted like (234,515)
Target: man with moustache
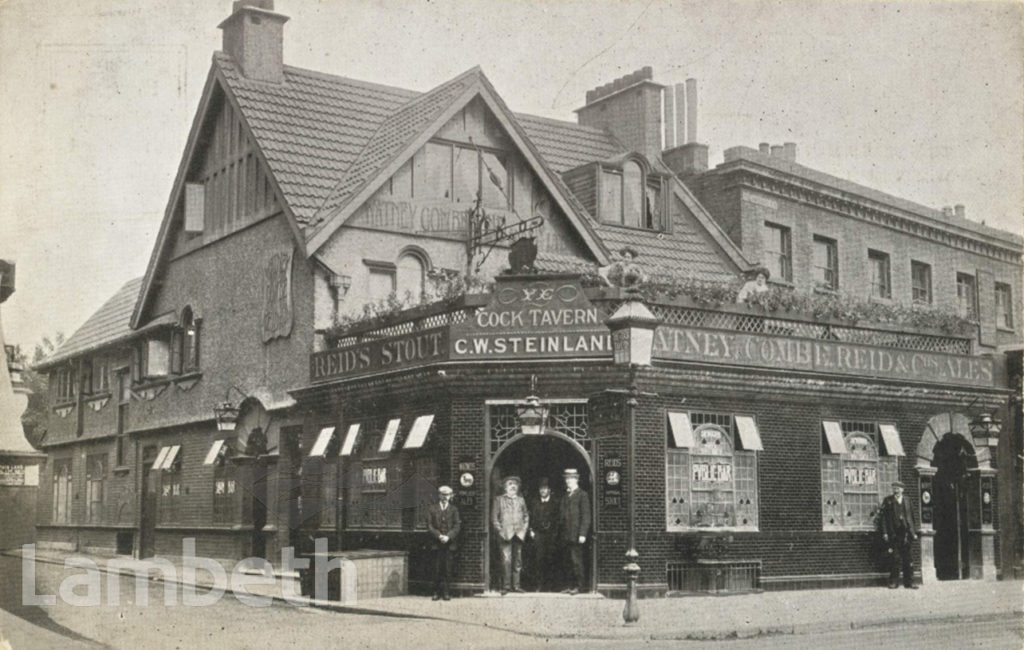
(511,521)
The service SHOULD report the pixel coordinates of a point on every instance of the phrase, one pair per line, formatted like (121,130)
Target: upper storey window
(778,251)
(456,173)
(631,197)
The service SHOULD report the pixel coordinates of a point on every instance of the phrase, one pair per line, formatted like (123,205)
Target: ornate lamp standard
(632,326)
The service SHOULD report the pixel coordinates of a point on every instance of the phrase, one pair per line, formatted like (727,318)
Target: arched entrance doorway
(954,458)
(532,458)
(956,536)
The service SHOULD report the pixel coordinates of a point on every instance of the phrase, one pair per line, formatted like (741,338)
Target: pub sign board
(543,318)
(550,317)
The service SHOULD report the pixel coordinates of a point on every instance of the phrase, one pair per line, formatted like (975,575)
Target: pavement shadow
(11,601)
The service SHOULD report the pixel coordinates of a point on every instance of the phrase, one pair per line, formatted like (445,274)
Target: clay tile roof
(312,127)
(110,323)
(325,136)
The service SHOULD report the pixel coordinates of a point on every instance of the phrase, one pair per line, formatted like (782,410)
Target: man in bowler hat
(443,524)
(575,526)
(545,515)
(897,534)
(511,521)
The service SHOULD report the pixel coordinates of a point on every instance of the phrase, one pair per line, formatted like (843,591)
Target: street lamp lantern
(985,430)
(632,327)
(532,416)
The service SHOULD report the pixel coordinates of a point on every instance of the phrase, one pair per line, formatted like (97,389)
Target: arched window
(411,273)
(631,197)
(189,341)
(632,194)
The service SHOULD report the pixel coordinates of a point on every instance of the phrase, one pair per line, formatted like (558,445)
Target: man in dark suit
(444,524)
(545,520)
(898,526)
(575,526)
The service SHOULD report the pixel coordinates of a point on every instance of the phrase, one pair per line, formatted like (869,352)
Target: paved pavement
(557,616)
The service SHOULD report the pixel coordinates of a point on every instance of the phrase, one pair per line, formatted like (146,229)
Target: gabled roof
(110,323)
(391,137)
(402,134)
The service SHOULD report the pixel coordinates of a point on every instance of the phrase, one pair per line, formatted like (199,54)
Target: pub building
(359,293)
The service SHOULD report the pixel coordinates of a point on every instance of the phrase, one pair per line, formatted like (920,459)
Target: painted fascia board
(214,79)
(727,245)
(374,183)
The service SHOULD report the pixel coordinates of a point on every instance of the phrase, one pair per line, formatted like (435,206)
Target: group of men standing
(556,527)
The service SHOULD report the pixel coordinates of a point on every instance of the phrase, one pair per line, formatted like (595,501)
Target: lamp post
(632,327)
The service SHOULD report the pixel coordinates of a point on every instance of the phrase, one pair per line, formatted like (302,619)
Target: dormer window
(630,196)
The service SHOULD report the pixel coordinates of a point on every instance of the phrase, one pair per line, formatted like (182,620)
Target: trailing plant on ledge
(449,287)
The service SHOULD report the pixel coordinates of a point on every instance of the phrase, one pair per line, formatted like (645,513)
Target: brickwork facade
(789,544)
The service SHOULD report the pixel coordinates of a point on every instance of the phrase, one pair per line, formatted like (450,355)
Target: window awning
(350,440)
(418,435)
(211,456)
(159,462)
(750,438)
(172,453)
(388,441)
(834,437)
(891,438)
(682,430)
(322,440)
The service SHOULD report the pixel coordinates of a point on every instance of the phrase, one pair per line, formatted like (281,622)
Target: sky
(918,99)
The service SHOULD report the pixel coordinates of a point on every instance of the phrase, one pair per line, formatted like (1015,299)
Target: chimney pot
(959,209)
(947,210)
(789,151)
(691,110)
(764,148)
(647,72)
(254,38)
(776,151)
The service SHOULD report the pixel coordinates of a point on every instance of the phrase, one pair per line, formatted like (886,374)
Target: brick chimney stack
(254,38)
(629,108)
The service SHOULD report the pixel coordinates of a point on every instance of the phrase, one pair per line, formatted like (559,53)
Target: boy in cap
(443,523)
(897,534)
(511,521)
(575,526)
(544,524)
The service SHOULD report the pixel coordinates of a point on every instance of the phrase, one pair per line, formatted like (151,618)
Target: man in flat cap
(511,521)
(575,526)
(897,518)
(545,518)
(443,524)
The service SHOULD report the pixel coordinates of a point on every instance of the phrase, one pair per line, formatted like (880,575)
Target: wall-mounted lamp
(985,430)
(226,413)
(532,416)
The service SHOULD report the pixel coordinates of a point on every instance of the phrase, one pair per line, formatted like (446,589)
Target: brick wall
(790,543)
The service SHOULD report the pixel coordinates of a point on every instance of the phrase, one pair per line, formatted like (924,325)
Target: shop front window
(855,473)
(711,472)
